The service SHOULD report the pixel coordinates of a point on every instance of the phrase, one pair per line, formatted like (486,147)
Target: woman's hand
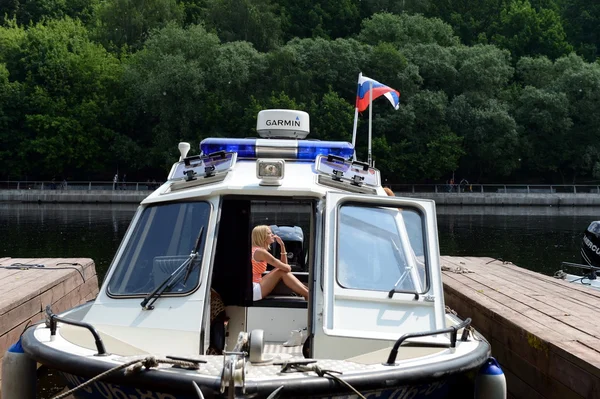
(280,243)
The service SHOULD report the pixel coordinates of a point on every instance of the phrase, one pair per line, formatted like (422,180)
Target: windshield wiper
(403,274)
(173,278)
(190,265)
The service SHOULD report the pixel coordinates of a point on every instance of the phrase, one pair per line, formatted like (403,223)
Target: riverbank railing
(497,188)
(397,188)
(78,185)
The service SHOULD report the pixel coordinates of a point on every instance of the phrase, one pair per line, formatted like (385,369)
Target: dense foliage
(497,90)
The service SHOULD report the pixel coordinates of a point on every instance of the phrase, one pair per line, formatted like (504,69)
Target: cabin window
(290,220)
(162,240)
(380,247)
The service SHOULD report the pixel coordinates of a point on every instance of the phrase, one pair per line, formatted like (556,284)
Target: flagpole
(354,132)
(369,159)
(355,124)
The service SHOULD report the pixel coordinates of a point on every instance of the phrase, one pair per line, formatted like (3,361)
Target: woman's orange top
(258,267)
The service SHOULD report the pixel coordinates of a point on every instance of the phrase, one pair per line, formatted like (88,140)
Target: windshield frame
(403,245)
(140,223)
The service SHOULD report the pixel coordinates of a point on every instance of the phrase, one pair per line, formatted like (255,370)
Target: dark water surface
(64,231)
(536,238)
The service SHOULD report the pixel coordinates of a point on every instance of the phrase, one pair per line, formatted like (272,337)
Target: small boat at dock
(176,316)
(586,272)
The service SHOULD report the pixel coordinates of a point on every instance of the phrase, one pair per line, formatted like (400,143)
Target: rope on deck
(130,367)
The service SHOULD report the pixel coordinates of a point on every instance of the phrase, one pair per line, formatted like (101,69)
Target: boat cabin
(181,281)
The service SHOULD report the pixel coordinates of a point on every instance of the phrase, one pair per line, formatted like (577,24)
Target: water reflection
(64,231)
(537,238)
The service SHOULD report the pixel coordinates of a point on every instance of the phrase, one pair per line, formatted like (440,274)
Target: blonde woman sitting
(262,238)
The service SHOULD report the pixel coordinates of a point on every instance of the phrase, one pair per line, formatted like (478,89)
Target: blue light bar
(245,148)
(308,150)
(272,148)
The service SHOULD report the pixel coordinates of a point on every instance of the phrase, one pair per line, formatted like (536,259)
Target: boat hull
(103,390)
(432,380)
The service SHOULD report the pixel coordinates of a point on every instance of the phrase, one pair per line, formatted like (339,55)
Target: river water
(536,238)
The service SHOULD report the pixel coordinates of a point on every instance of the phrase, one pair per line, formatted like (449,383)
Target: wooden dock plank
(535,307)
(527,381)
(544,329)
(554,283)
(21,289)
(24,294)
(7,274)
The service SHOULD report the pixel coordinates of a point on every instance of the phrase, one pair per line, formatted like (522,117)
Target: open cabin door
(381,273)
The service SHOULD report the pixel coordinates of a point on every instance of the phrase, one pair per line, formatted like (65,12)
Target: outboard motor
(590,247)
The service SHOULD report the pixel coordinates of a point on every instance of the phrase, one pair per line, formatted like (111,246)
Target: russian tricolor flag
(362,95)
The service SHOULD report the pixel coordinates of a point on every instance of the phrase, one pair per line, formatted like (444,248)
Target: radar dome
(283,123)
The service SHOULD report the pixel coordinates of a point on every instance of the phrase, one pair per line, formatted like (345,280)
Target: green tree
(187,85)
(305,68)
(66,87)
(404,29)
(523,30)
(332,118)
(129,22)
(469,21)
(436,65)
(12,137)
(431,149)
(490,138)
(579,81)
(32,11)
(371,7)
(537,72)
(386,63)
(320,18)
(543,118)
(254,21)
(483,71)
(582,24)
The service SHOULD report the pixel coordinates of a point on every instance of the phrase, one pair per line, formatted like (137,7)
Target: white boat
(587,276)
(180,285)
(585,273)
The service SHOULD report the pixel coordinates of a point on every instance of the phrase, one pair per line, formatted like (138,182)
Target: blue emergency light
(268,148)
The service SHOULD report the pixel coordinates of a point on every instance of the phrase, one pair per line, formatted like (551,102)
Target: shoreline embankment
(466,199)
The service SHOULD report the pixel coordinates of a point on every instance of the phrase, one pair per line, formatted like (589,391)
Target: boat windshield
(162,240)
(381,249)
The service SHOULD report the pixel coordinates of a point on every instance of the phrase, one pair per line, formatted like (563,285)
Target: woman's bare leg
(295,285)
(268,282)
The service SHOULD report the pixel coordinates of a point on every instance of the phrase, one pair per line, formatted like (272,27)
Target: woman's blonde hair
(260,235)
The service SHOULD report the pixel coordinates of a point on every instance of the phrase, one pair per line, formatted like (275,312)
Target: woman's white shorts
(256,293)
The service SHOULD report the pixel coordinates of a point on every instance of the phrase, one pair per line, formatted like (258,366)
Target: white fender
(490,382)
(19,374)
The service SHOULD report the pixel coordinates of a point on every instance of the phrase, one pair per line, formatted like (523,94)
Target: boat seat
(281,301)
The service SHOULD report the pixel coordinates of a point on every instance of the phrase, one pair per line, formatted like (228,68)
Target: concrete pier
(74,196)
(509,199)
